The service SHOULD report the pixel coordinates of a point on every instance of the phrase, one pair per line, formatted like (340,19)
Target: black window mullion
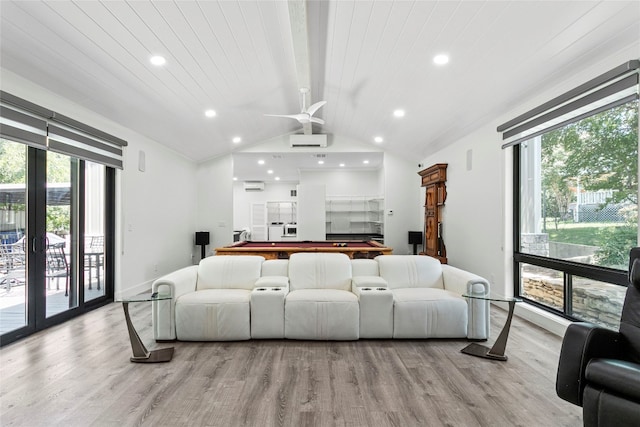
(516,219)
(568,294)
(110,231)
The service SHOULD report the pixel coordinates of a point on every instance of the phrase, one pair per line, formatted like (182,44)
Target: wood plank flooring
(79,374)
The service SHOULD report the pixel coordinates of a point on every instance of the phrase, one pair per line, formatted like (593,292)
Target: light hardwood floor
(79,374)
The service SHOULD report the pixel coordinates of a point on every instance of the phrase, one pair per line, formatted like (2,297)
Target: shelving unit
(282,212)
(357,217)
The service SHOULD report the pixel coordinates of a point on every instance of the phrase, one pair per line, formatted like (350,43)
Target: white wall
(215,201)
(405,198)
(155,219)
(345,182)
(478,211)
(242,200)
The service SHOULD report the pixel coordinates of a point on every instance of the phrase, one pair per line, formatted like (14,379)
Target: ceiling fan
(306,115)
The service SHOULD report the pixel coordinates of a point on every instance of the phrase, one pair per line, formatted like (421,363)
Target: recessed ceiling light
(321,162)
(261,162)
(235,178)
(236,140)
(441,59)
(270,171)
(366,162)
(157,60)
(277,178)
(341,165)
(398,113)
(210,113)
(378,139)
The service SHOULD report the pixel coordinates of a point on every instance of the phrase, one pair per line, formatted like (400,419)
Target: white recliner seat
(218,306)
(320,304)
(427,305)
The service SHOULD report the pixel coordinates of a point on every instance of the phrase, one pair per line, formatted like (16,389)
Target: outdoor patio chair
(57,266)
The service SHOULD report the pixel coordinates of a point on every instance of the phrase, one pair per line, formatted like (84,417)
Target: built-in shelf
(355,215)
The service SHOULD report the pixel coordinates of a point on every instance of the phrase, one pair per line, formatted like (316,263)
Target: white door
(258,222)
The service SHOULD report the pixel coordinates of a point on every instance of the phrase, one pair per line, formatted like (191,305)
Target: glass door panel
(61,291)
(13,266)
(94,230)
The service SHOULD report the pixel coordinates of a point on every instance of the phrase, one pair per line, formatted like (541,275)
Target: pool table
(282,250)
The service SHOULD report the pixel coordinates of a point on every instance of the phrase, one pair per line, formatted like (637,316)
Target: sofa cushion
(213,315)
(319,271)
(321,314)
(428,313)
(275,267)
(364,267)
(410,271)
(229,272)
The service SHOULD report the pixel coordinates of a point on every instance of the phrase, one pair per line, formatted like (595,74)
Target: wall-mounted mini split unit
(316,141)
(253,186)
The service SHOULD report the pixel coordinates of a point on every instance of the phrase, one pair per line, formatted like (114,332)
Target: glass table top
(145,297)
(490,298)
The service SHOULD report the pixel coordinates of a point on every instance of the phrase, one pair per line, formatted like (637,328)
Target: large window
(576,199)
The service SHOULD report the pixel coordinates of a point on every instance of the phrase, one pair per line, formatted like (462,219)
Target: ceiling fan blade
(315,107)
(290,116)
(316,120)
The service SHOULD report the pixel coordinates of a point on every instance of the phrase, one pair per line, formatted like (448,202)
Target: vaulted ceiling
(245,59)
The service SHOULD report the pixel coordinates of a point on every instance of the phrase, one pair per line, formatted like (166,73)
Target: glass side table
(140,352)
(497,351)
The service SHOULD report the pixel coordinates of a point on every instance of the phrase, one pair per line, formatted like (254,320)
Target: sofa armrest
(163,312)
(619,377)
(463,282)
(367,282)
(582,342)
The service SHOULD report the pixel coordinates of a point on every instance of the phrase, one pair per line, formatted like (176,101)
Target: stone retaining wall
(593,301)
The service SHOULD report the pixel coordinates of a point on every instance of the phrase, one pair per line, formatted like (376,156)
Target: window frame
(567,268)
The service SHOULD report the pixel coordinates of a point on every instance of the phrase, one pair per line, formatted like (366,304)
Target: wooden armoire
(434,179)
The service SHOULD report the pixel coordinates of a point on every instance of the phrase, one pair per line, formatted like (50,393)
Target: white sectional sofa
(320,296)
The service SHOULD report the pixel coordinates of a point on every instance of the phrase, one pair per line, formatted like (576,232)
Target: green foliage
(587,235)
(601,151)
(58,218)
(13,170)
(12,162)
(615,243)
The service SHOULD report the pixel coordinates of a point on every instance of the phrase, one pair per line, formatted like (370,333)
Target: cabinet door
(430,200)
(431,235)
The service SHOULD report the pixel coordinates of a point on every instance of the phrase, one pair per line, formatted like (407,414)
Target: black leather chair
(599,369)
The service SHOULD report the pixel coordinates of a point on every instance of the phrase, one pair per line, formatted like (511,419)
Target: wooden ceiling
(245,59)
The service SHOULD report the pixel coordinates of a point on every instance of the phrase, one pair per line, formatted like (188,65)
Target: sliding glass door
(13,264)
(53,227)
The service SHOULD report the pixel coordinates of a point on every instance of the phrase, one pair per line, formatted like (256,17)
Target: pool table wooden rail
(282,250)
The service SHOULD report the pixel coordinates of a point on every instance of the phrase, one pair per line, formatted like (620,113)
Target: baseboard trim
(555,324)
